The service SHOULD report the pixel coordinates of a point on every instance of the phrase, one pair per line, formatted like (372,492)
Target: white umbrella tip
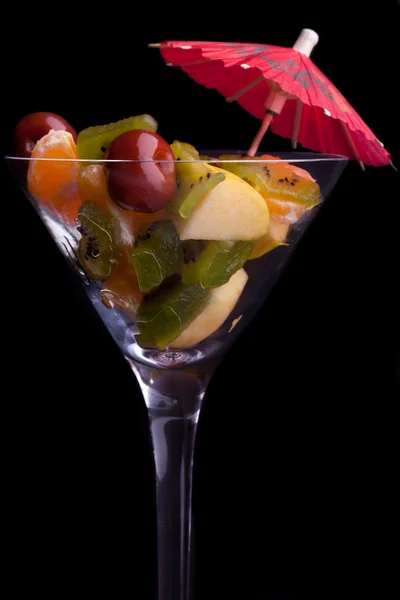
(306,41)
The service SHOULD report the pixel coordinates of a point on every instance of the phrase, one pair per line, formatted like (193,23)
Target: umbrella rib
(245,89)
(189,64)
(296,124)
(351,144)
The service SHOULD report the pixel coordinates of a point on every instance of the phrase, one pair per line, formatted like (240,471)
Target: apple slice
(276,236)
(233,211)
(222,302)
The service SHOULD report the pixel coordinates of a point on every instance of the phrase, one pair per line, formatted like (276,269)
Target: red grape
(145,185)
(34,126)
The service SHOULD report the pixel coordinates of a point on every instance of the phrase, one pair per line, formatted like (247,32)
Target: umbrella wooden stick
(351,144)
(296,124)
(260,133)
(275,101)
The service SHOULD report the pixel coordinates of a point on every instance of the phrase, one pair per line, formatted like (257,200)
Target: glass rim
(295,158)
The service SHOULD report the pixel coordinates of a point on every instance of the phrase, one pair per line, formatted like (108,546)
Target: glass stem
(173,398)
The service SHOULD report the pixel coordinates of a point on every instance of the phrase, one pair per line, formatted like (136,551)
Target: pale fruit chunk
(276,236)
(233,211)
(222,302)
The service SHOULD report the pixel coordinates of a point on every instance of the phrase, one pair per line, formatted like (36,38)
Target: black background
(293,461)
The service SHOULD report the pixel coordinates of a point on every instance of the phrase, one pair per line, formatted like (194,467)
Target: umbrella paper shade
(284,88)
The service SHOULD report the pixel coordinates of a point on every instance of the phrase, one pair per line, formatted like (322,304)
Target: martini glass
(174,381)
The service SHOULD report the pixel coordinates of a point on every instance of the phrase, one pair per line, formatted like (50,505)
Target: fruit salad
(165,234)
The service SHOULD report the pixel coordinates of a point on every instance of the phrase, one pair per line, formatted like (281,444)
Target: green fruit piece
(184,151)
(97,246)
(194,179)
(163,315)
(212,263)
(275,180)
(156,254)
(191,191)
(94,142)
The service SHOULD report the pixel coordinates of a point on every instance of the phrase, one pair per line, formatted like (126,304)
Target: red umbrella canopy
(284,86)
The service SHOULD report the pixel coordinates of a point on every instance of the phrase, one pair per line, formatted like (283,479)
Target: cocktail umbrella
(285,89)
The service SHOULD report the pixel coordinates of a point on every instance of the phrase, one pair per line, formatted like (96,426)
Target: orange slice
(283,211)
(121,288)
(54,182)
(92,186)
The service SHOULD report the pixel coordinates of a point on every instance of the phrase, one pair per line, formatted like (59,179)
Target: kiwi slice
(93,142)
(97,246)
(194,179)
(212,263)
(164,314)
(275,180)
(156,254)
